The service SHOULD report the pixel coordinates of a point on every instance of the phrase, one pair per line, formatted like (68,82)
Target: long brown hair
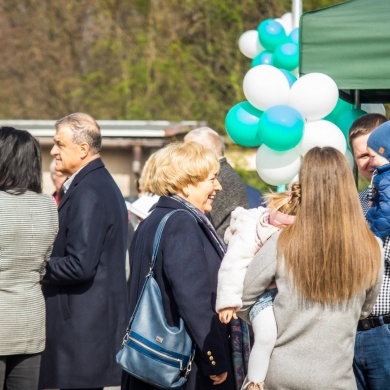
(329,252)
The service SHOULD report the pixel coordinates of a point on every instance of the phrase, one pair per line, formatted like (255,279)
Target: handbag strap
(158,235)
(156,244)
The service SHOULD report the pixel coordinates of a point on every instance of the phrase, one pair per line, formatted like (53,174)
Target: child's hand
(225,315)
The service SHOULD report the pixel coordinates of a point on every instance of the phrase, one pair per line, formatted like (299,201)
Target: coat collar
(93,165)
(169,203)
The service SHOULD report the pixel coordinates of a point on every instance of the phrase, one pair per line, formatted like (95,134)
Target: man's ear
(84,150)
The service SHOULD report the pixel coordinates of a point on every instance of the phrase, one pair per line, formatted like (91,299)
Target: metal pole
(296,12)
(357,106)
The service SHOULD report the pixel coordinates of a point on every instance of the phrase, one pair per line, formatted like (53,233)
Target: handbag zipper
(163,355)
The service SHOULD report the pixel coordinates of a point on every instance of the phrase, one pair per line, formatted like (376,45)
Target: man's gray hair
(207,137)
(84,128)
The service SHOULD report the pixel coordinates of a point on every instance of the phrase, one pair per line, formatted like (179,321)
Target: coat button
(213,363)
(208,353)
(211,358)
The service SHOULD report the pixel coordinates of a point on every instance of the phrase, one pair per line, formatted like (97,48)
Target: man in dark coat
(85,281)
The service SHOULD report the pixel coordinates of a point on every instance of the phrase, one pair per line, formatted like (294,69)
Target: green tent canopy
(350,42)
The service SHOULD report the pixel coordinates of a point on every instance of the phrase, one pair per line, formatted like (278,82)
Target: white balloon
(287,16)
(314,95)
(370,108)
(277,168)
(285,25)
(266,86)
(295,179)
(322,133)
(286,22)
(249,44)
(349,157)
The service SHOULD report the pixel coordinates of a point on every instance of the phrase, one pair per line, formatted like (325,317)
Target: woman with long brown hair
(328,268)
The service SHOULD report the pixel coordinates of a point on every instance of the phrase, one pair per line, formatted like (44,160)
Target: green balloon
(344,120)
(271,34)
(286,56)
(242,124)
(263,58)
(340,108)
(281,127)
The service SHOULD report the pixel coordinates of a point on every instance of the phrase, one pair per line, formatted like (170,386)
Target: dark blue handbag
(153,351)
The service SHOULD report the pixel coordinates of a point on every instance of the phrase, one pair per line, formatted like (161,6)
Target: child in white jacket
(247,233)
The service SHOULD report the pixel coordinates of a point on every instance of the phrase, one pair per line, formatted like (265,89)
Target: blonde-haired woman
(142,207)
(188,260)
(328,268)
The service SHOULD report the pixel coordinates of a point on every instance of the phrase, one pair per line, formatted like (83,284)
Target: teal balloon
(242,124)
(345,119)
(263,58)
(286,56)
(281,127)
(340,108)
(290,77)
(271,34)
(294,36)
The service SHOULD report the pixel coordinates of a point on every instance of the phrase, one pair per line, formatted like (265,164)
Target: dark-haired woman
(28,226)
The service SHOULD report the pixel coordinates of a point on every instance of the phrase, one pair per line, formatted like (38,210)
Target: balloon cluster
(284,116)
(273,43)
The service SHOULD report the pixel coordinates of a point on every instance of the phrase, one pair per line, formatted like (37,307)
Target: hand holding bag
(153,351)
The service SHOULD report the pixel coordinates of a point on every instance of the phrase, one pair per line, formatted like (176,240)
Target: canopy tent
(350,42)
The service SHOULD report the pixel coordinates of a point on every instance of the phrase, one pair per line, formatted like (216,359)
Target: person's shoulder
(255,198)
(229,178)
(30,200)
(227,169)
(182,218)
(46,197)
(39,198)
(269,249)
(384,169)
(48,200)
(382,175)
(143,205)
(98,180)
(272,242)
(178,223)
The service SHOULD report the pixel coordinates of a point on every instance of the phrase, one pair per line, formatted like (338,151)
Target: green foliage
(127,59)
(362,183)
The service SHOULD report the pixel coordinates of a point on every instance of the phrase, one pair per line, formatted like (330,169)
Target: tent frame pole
(357,106)
(296,12)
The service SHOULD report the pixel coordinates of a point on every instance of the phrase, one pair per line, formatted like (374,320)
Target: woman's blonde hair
(329,251)
(148,173)
(179,164)
(286,202)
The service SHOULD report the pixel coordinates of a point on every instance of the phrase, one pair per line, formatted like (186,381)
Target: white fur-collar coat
(247,233)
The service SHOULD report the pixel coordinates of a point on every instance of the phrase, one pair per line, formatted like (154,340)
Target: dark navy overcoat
(186,271)
(85,285)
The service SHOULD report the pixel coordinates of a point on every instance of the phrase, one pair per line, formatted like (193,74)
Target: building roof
(114,132)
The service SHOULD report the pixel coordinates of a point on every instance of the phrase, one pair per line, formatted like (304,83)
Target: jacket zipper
(163,355)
